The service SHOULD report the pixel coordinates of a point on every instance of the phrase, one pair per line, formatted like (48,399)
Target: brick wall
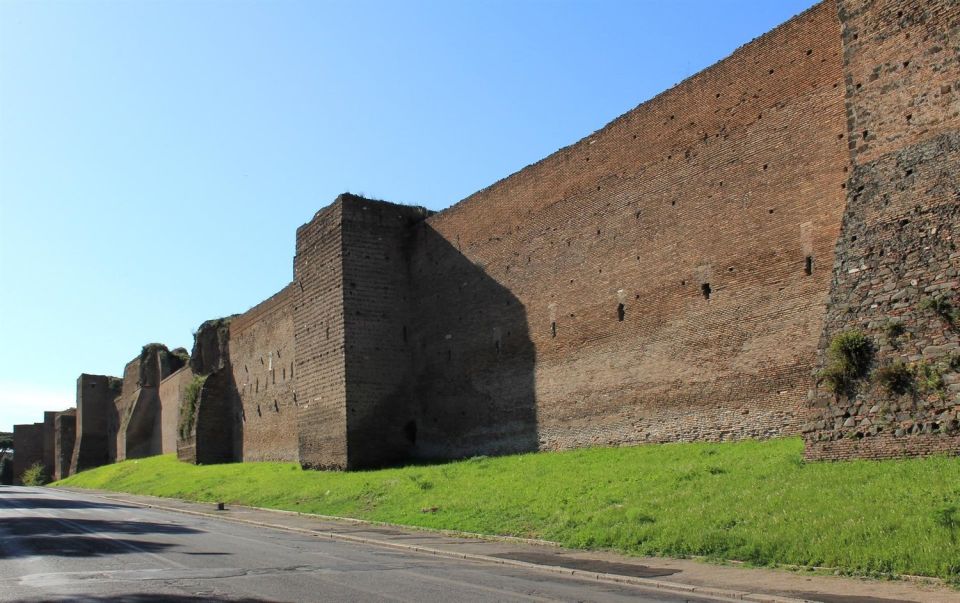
(319,341)
(898,246)
(65,432)
(730,180)
(49,442)
(171,393)
(377,237)
(261,355)
(96,412)
(27,448)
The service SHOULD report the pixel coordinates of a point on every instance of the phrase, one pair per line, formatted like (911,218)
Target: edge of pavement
(285,520)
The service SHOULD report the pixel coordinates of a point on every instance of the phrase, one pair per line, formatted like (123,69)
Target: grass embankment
(751,501)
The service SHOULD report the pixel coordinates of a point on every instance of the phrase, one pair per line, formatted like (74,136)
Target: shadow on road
(146,598)
(21,502)
(29,536)
(34,526)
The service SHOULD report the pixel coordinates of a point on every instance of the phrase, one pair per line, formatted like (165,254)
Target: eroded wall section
(896,275)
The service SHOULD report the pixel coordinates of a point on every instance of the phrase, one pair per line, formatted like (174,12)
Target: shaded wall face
(661,264)
(319,341)
(27,448)
(382,423)
(96,418)
(49,442)
(262,363)
(65,432)
(898,244)
(473,389)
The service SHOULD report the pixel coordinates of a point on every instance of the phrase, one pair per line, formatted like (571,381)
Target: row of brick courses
(262,363)
(27,448)
(381,425)
(727,183)
(96,414)
(898,243)
(171,392)
(319,341)
(65,433)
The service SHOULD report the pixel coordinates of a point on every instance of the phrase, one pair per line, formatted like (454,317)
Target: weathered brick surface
(262,360)
(729,180)
(898,245)
(377,238)
(171,393)
(49,442)
(65,433)
(96,412)
(27,448)
(319,341)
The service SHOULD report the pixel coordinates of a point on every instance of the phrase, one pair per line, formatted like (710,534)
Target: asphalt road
(58,546)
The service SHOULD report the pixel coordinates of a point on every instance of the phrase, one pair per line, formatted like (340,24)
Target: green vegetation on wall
(188,406)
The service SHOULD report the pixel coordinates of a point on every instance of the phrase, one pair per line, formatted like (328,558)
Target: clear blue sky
(157,157)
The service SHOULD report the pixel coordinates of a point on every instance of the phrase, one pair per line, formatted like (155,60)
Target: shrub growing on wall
(188,406)
(850,353)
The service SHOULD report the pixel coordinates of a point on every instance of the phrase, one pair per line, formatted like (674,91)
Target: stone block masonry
(677,275)
(897,253)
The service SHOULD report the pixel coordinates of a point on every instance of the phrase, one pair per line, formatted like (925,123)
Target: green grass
(752,501)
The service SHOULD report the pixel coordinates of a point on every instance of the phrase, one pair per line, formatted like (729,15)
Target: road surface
(56,545)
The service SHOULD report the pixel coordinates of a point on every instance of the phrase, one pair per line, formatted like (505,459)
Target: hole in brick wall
(671,117)
(909,117)
(858,86)
(634,136)
(730,269)
(809,51)
(637,296)
(259,414)
(328,332)
(621,312)
(598,232)
(257,390)
(284,373)
(261,361)
(770,72)
(718,95)
(669,156)
(553,329)
(866,133)
(853,238)
(770,211)
(705,290)
(808,265)
(673,203)
(683,283)
(410,431)
(291,369)
(765,166)
(906,63)
(276,406)
(839,136)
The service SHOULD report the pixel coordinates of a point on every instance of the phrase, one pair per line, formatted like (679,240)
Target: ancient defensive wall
(681,274)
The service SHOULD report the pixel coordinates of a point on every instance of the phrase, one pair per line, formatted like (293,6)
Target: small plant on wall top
(850,354)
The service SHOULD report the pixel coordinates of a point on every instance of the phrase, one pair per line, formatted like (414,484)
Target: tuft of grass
(751,501)
(34,475)
(850,354)
(941,307)
(896,379)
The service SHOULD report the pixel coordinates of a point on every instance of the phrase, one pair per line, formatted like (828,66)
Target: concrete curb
(676,587)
